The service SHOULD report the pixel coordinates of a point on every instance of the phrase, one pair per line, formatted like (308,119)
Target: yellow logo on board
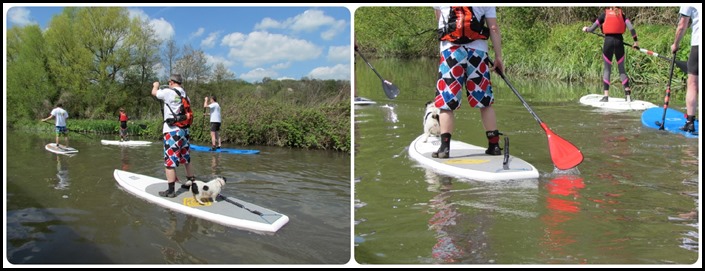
(466,161)
(191,202)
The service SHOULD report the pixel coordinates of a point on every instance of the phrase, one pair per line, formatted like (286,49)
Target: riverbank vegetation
(537,42)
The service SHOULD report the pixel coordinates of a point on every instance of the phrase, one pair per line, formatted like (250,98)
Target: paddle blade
(390,89)
(564,154)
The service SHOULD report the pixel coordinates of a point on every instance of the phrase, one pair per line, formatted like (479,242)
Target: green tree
(27,78)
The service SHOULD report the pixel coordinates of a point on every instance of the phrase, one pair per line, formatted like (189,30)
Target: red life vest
(463,26)
(614,22)
(123,116)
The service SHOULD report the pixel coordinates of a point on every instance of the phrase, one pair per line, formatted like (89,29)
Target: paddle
(668,96)
(682,65)
(564,154)
(390,89)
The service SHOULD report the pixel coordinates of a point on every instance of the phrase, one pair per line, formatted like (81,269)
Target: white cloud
(213,60)
(259,48)
(257,75)
(233,39)
(19,16)
(337,72)
(137,13)
(309,21)
(268,23)
(162,28)
(339,54)
(281,66)
(209,41)
(198,33)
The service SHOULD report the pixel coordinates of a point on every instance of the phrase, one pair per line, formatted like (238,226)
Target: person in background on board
(176,140)
(214,108)
(613,22)
(691,96)
(122,118)
(61,115)
(465,64)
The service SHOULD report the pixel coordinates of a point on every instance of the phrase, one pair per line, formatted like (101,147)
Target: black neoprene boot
(444,150)
(493,139)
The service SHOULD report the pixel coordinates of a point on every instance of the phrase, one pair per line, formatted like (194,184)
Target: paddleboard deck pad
(61,149)
(225,210)
(226,150)
(470,161)
(675,119)
(125,143)
(615,103)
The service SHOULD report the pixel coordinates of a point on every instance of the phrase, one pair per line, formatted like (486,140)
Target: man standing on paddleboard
(464,54)
(176,139)
(691,96)
(61,116)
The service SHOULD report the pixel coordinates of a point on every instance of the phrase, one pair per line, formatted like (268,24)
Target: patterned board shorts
(61,130)
(176,148)
(463,67)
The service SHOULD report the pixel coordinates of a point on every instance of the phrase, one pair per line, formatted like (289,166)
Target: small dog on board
(207,190)
(431,122)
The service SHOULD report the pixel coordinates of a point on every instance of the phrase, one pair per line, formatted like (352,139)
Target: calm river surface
(633,200)
(70,210)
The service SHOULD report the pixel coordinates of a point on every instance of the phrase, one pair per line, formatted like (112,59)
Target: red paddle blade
(563,153)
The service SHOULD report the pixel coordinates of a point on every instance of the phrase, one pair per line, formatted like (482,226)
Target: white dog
(207,190)
(431,123)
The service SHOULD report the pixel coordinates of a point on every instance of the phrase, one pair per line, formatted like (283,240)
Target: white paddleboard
(615,103)
(470,161)
(61,149)
(363,101)
(125,143)
(226,210)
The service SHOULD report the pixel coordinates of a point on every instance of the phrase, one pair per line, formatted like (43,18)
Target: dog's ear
(224,179)
(427,103)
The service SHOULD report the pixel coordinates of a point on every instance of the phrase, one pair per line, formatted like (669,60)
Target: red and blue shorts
(461,67)
(176,148)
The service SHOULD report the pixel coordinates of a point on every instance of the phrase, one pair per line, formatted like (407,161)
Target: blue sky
(285,42)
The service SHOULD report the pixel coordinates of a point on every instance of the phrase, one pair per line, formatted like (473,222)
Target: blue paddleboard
(226,150)
(675,119)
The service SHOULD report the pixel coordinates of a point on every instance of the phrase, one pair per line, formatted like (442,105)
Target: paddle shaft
(368,64)
(682,65)
(564,154)
(668,94)
(536,117)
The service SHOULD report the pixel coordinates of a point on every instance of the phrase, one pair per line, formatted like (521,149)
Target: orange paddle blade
(564,154)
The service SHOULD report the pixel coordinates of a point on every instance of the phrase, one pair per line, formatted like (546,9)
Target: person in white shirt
(691,96)
(176,140)
(214,107)
(61,115)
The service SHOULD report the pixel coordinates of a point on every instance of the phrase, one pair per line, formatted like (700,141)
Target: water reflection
(446,250)
(215,160)
(125,159)
(62,173)
(562,206)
